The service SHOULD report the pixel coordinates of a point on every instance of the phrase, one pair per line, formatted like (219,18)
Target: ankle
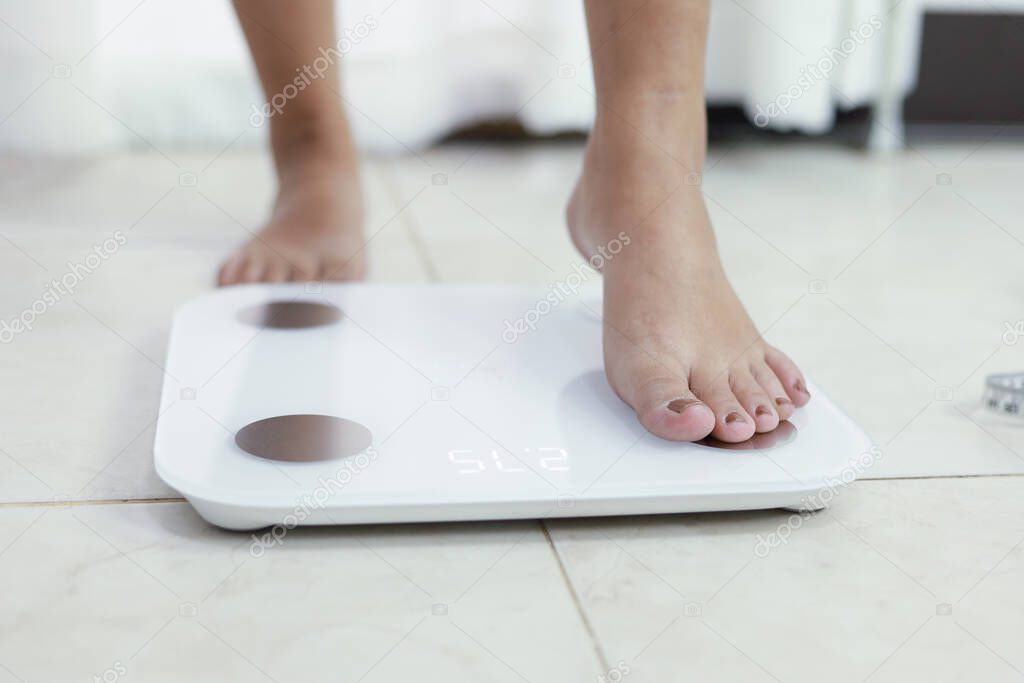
(627,158)
(320,138)
(656,122)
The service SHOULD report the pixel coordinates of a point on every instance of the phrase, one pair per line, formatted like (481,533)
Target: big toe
(231,271)
(665,405)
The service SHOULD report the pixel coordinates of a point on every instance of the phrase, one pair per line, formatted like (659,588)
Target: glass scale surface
(442,403)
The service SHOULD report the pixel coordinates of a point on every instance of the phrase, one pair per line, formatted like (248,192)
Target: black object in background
(972,70)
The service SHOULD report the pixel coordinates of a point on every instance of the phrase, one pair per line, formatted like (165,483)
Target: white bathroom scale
(294,404)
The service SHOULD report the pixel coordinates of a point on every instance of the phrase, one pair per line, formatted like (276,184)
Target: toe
(732,422)
(771,385)
(303,270)
(229,272)
(667,408)
(254,268)
(277,271)
(755,401)
(789,375)
(341,271)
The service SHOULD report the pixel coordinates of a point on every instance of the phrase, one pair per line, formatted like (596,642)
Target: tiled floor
(890,280)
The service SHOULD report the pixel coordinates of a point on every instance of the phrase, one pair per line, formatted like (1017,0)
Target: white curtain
(96,75)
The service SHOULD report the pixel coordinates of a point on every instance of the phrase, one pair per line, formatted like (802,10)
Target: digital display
(469,461)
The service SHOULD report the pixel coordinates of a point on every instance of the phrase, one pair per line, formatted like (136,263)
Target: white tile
(961,539)
(489,213)
(952,150)
(85,596)
(815,203)
(942,651)
(863,587)
(946,534)
(139,585)
(83,412)
(937,286)
(993,612)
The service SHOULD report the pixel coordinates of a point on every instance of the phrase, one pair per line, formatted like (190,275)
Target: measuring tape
(1004,393)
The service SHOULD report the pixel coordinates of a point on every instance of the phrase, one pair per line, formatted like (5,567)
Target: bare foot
(678,345)
(315,231)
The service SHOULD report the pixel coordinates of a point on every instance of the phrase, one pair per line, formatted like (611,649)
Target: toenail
(782,401)
(733,417)
(762,410)
(681,404)
(799,386)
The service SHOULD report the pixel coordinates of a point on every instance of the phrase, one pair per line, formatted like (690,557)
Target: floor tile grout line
(178,499)
(599,653)
(983,475)
(389,179)
(86,502)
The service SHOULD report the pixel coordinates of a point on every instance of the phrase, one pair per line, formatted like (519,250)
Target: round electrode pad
(290,314)
(303,438)
(779,436)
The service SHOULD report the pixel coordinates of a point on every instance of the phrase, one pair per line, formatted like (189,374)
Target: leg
(678,345)
(315,229)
